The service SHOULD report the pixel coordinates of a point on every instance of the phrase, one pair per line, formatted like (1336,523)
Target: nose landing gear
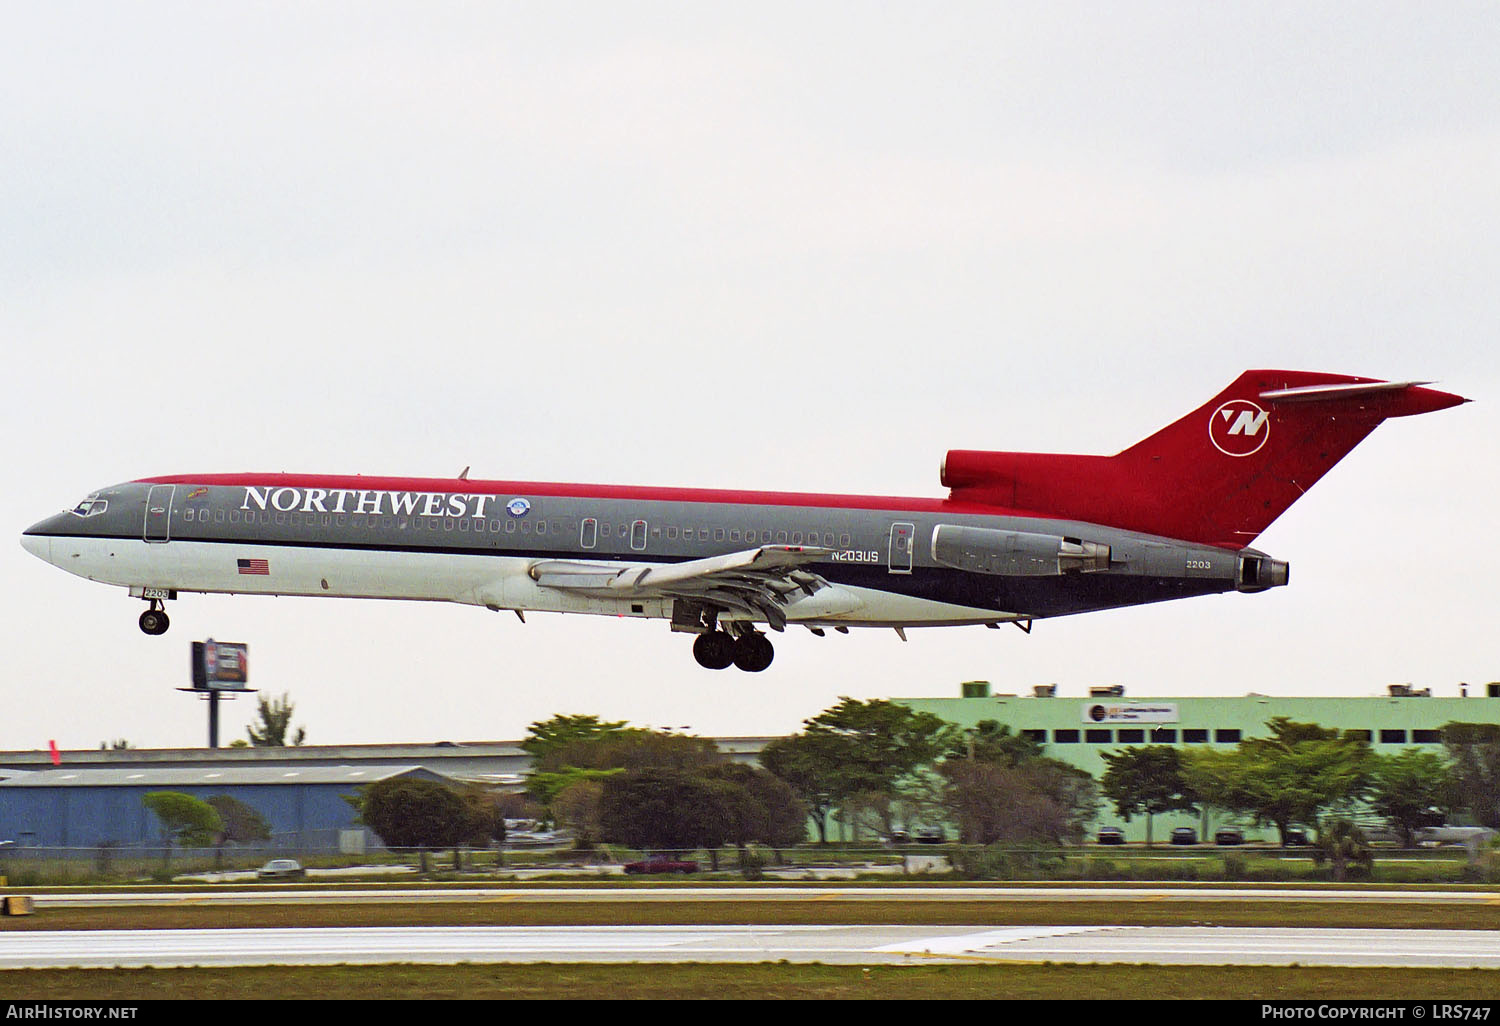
(154,620)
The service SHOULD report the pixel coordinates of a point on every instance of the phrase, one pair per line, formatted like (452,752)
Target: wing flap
(754,583)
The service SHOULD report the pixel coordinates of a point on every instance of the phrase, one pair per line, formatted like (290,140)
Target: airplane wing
(754,583)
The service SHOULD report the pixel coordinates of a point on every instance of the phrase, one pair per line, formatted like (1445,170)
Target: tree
(633,749)
(1285,778)
(1340,843)
(1147,781)
(576,749)
(188,821)
(576,807)
(1475,751)
(809,763)
(418,815)
(544,788)
(992,741)
(241,824)
(275,719)
(1036,801)
(858,753)
(763,808)
(662,810)
(1413,789)
(546,736)
(486,813)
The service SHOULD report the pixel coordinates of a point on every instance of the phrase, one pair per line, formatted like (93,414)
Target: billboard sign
(221,665)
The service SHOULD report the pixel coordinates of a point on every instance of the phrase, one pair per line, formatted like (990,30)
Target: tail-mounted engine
(982,550)
(1257,572)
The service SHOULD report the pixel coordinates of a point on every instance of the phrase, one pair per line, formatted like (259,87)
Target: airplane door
(901,548)
(159,513)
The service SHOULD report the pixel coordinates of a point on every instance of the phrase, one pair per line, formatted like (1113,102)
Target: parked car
(661,864)
(1111,835)
(1184,835)
(1295,838)
(932,835)
(281,869)
(1228,835)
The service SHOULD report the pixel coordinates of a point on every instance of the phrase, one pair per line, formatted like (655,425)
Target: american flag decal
(260,567)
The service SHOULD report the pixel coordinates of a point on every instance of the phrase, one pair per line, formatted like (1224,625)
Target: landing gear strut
(154,620)
(750,650)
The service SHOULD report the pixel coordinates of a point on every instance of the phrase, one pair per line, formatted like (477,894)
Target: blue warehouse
(304,806)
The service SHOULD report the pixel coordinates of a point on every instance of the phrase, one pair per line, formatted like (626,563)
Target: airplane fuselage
(476,542)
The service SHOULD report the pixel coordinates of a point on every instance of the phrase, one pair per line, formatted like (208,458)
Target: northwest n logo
(1239,427)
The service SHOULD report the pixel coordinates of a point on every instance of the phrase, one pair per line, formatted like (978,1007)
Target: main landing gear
(154,620)
(750,650)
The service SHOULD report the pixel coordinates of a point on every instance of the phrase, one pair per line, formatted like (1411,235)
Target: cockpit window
(90,507)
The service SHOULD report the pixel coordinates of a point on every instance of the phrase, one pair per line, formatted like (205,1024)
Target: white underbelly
(499,582)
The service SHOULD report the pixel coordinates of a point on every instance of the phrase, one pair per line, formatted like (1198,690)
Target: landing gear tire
(154,622)
(753,652)
(714,650)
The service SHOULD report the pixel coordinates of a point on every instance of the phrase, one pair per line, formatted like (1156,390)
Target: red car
(661,864)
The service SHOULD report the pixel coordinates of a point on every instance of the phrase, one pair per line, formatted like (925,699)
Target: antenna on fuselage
(465,475)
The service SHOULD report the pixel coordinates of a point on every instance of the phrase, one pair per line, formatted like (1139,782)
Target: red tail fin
(1218,476)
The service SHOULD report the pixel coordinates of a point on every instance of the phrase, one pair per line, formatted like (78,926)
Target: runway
(846,945)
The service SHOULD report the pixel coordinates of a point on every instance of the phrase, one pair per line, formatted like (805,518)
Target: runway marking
(969,942)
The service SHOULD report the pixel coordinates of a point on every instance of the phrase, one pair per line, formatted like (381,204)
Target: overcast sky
(793,246)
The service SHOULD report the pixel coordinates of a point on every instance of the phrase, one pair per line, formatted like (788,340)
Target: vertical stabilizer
(1219,475)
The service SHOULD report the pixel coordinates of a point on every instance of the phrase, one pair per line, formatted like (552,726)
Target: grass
(978,912)
(753,981)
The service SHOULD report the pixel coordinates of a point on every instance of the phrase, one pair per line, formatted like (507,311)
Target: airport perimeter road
(834,945)
(596,895)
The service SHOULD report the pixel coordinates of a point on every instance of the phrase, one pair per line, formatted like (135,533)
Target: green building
(1078,729)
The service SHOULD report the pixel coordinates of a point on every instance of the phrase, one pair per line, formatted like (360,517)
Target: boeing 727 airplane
(1020,536)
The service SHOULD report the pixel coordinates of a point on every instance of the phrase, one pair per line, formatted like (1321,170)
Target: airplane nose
(39,545)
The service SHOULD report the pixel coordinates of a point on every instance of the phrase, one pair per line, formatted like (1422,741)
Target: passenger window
(671,532)
(719,534)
